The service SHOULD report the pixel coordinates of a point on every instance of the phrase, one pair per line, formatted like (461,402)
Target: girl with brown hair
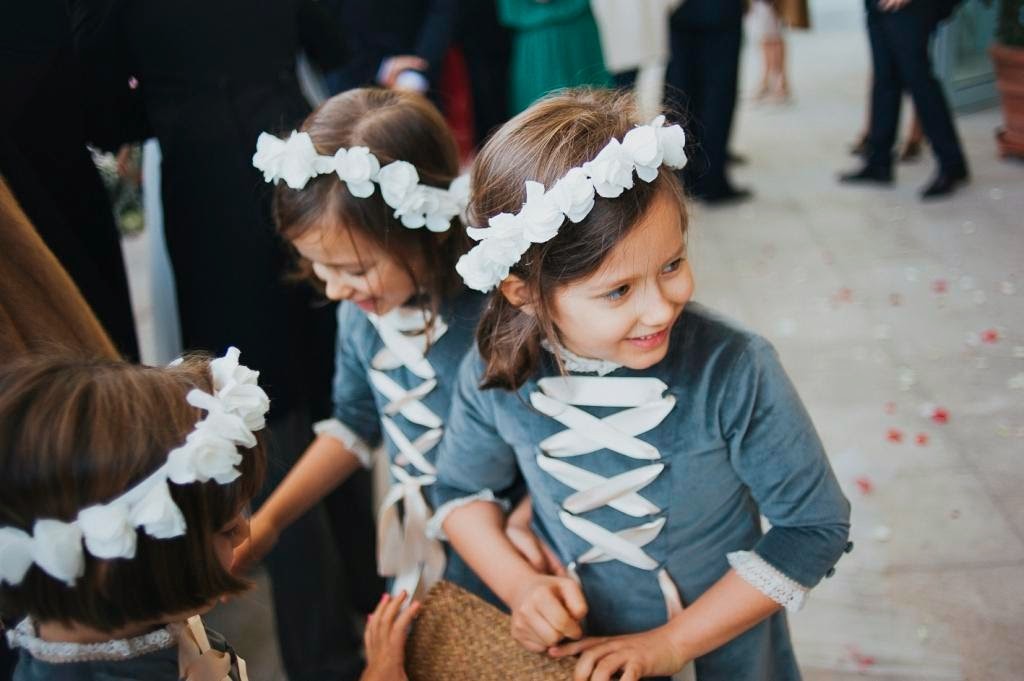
(370,199)
(650,431)
(122,494)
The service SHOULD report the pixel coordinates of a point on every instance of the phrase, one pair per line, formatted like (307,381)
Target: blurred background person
(206,100)
(555,44)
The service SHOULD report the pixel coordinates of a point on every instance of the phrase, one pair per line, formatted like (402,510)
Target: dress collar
(57,652)
(580,365)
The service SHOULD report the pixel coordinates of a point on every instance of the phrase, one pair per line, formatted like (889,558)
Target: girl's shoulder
(710,341)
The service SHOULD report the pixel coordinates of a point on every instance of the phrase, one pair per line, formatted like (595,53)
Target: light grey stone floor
(887,312)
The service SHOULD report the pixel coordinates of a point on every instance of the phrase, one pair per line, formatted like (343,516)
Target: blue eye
(673,266)
(617,293)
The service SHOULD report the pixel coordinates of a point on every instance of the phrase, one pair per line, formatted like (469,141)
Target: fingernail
(384,598)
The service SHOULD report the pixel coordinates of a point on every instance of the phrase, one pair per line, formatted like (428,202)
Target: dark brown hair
(78,432)
(542,143)
(394,126)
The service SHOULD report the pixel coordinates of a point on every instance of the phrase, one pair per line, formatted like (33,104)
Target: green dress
(554,45)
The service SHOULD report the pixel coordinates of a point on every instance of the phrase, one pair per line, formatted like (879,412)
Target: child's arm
(545,609)
(387,629)
(723,612)
(323,467)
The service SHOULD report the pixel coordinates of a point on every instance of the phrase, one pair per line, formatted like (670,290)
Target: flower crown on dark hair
(234,412)
(296,161)
(502,244)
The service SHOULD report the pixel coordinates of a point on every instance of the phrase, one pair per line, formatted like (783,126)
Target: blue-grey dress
(731,441)
(153,657)
(364,417)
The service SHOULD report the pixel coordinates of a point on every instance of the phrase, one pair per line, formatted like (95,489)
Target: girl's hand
(547,610)
(651,653)
(386,632)
(263,536)
(540,557)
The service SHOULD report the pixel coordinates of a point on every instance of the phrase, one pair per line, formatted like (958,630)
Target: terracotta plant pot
(1009,67)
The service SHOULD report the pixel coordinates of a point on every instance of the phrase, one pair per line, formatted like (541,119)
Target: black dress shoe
(945,183)
(723,197)
(868,174)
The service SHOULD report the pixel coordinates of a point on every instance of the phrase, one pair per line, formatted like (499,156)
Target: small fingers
(576,647)
(391,610)
(529,549)
(403,622)
(560,619)
(572,596)
(607,666)
(631,672)
(554,564)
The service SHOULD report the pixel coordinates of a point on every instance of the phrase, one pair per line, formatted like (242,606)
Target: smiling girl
(651,432)
(367,193)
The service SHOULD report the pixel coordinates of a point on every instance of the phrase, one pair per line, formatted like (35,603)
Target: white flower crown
(234,412)
(643,149)
(296,161)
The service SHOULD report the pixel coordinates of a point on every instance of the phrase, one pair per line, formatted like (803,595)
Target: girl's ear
(517,293)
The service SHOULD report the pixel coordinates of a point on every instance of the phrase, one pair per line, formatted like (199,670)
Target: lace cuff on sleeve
(760,574)
(435,528)
(346,436)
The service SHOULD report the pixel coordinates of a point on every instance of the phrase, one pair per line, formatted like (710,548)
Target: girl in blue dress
(368,194)
(652,433)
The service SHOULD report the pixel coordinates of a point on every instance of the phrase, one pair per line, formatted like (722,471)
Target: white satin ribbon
(403,549)
(644,405)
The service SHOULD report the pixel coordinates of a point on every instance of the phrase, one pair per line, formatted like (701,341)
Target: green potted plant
(1008,58)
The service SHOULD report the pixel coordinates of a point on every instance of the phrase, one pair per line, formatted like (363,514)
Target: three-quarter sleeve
(776,452)
(474,463)
(355,421)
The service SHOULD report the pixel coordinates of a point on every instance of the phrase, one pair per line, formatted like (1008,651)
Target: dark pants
(701,82)
(320,578)
(900,60)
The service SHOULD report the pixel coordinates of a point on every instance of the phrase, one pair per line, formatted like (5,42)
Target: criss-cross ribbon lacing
(644,405)
(404,551)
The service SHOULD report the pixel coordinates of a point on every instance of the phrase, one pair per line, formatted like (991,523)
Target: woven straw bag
(459,637)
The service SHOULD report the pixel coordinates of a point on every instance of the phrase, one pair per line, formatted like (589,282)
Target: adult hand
(392,66)
(635,656)
(547,610)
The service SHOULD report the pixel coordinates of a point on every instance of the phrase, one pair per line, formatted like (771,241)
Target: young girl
(122,496)
(370,201)
(650,431)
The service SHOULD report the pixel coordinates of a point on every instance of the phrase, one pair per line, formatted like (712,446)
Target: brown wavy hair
(78,432)
(394,126)
(542,143)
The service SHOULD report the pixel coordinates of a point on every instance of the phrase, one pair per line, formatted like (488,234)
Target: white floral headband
(296,161)
(644,149)
(234,412)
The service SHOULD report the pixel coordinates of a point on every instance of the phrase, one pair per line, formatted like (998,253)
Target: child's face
(624,312)
(230,537)
(355,268)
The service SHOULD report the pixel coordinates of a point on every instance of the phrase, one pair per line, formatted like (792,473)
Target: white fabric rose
(414,208)
(293,161)
(541,216)
(357,168)
(396,180)
(611,171)
(226,370)
(158,514)
(448,207)
(643,145)
(57,550)
(218,421)
(15,555)
(479,272)
(573,194)
(672,140)
(248,402)
(458,190)
(204,456)
(108,530)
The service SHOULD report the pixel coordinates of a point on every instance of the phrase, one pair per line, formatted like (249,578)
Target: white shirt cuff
(767,579)
(435,528)
(346,436)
